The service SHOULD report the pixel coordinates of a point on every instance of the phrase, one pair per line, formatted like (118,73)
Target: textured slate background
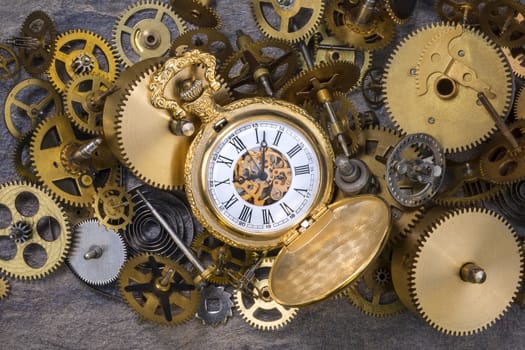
(61,313)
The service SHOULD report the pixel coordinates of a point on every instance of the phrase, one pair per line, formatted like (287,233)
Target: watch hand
(264,147)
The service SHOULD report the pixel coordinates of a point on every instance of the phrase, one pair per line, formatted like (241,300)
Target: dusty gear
(76,50)
(36,60)
(146,27)
(434,98)
(84,102)
(376,33)
(21,160)
(32,208)
(98,254)
(400,10)
(9,63)
(258,307)
(5,287)
(27,103)
(194,12)
(516,58)
(53,148)
(504,22)
(159,289)
(205,40)
(466,12)
(113,207)
(212,314)
(371,87)
(291,21)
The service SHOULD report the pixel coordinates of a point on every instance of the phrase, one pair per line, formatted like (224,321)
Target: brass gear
(113,207)
(145,27)
(194,12)
(38,25)
(504,22)
(158,289)
(32,99)
(519,104)
(516,58)
(52,148)
(478,297)
(46,230)
(433,99)
(377,33)
(400,10)
(291,21)
(84,102)
(77,215)
(78,51)
(9,63)
(5,287)
(258,308)
(466,12)
(203,39)
(371,87)
(21,159)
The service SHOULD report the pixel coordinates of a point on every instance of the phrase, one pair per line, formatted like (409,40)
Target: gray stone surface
(61,313)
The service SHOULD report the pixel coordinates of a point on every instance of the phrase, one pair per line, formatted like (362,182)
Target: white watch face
(263,176)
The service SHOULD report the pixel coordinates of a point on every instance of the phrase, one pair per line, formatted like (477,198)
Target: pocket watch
(259,175)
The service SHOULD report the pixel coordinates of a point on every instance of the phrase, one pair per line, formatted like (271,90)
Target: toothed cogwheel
(504,22)
(97,254)
(77,215)
(516,58)
(159,289)
(511,202)
(372,33)
(29,102)
(81,51)
(147,28)
(194,12)
(288,20)
(215,306)
(21,160)
(466,12)
(113,207)
(9,63)
(519,104)
(34,231)
(73,179)
(451,259)
(440,101)
(39,27)
(400,10)
(205,40)
(258,308)
(5,287)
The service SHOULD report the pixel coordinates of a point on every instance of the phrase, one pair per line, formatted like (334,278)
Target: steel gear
(159,289)
(98,254)
(400,10)
(371,87)
(511,202)
(434,98)
(21,159)
(75,52)
(288,20)
(194,12)
(146,27)
(257,307)
(73,178)
(32,212)
(27,103)
(504,22)
(466,12)
(37,59)
(113,207)
(203,39)
(215,306)
(482,285)
(343,20)
(9,63)
(516,58)
(5,287)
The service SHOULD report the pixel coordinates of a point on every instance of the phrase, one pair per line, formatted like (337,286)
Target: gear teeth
(393,16)
(16,157)
(519,104)
(5,287)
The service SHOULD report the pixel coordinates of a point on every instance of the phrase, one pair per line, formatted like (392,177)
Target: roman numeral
(303,192)
(230,202)
(292,152)
(238,144)
(301,170)
(267,216)
(286,208)
(277,138)
(246,214)
(224,182)
(225,160)
(256,135)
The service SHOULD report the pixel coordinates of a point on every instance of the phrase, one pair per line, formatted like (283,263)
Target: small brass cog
(205,40)
(465,12)
(400,10)
(113,207)
(504,22)
(34,232)
(9,63)
(159,289)
(147,28)
(36,60)
(371,87)
(5,287)
(77,215)
(72,179)
(288,20)
(194,12)
(80,51)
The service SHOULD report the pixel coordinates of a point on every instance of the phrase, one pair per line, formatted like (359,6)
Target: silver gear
(213,314)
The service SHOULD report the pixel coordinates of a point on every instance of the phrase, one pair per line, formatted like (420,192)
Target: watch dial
(263,176)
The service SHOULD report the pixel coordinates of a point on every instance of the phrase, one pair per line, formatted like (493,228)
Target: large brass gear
(258,308)
(52,149)
(78,52)
(159,289)
(205,40)
(466,12)
(504,22)
(147,28)
(482,286)
(84,102)
(9,63)
(288,20)
(5,287)
(36,60)
(113,207)
(194,12)
(375,34)
(35,233)
(27,103)
(440,101)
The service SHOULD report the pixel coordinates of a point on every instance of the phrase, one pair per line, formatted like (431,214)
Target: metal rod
(472,273)
(499,122)
(86,151)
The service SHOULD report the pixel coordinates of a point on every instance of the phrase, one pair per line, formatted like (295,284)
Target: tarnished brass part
(371,87)
(31,98)
(81,43)
(77,215)
(203,39)
(21,159)
(465,12)
(196,13)
(504,22)
(9,63)
(52,148)
(158,289)
(440,88)
(258,308)
(516,58)
(341,20)
(150,35)
(38,25)
(519,104)
(47,247)
(291,21)
(400,10)
(113,207)
(5,287)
